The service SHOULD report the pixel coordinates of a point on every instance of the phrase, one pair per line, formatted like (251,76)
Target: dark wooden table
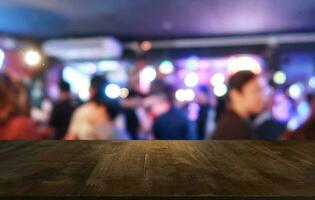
(218,170)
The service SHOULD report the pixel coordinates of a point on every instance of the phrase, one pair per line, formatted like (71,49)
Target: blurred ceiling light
(85,67)
(83,48)
(166,67)
(220,90)
(112,91)
(217,79)
(279,77)
(146,45)
(32,57)
(2,56)
(108,65)
(191,79)
(148,74)
(241,63)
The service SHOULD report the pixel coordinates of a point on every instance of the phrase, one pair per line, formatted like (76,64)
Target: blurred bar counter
(157,169)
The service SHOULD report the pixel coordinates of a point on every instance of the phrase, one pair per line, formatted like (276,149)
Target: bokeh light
(192,63)
(311,82)
(146,45)
(32,58)
(166,67)
(189,95)
(148,74)
(112,91)
(296,90)
(217,79)
(2,56)
(279,77)
(220,90)
(124,93)
(108,65)
(185,95)
(84,94)
(242,63)
(80,83)
(191,79)
(180,95)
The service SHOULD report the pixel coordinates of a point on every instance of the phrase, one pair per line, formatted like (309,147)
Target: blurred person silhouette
(206,116)
(220,107)
(62,111)
(130,107)
(14,123)
(94,120)
(266,127)
(24,101)
(246,97)
(170,123)
(307,130)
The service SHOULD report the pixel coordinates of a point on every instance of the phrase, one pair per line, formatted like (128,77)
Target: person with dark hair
(205,121)
(94,120)
(171,123)
(62,111)
(130,105)
(97,87)
(14,124)
(246,97)
(266,127)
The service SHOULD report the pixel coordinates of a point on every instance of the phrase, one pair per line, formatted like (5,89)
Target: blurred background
(136,59)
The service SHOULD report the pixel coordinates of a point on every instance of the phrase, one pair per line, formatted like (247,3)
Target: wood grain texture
(157,168)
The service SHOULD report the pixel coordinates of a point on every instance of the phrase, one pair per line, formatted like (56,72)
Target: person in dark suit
(205,121)
(246,97)
(172,123)
(62,111)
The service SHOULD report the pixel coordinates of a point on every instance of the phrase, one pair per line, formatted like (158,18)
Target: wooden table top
(157,168)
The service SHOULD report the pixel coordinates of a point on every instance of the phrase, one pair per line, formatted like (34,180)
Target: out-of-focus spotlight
(189,95)
(84,94)
(108,65)
(148,74)
(192,63)
(191,79)
(112,91)
(2,55)
(32,58)
(296,90)
(293,124)
(185,95)
(166,67)
(220,90)
(242,63)
(217,79)
(146,45)
(124,92)
(311,82)
(180,95)
(279,77)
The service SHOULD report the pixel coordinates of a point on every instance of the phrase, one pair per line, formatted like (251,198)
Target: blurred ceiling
(153,19)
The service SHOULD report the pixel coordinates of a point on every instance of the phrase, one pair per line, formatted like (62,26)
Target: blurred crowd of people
(245,113)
